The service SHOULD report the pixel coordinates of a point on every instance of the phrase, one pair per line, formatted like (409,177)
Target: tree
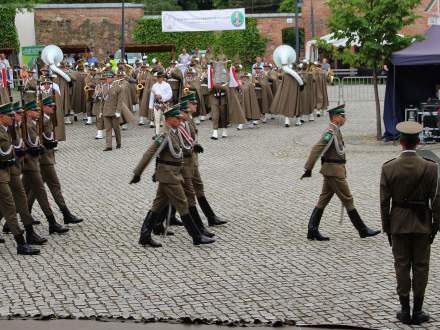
(375,25)
(8,31)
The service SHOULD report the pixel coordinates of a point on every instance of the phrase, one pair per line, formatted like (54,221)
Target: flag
(210,77)
(4,77)
(233,81)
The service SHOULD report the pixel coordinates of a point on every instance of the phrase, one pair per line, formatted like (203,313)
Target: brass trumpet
(139,89)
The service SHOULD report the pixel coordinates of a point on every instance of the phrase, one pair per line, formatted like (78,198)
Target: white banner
(203,20)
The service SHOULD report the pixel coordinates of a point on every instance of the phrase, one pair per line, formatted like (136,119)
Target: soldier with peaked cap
(16,184)
(114,99)
(167,149)
(47,163)
(7,160)
(32,179)
(98,104)
(330,148)
(90,81)
(410,210)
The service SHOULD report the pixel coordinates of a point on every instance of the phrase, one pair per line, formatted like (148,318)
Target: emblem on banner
(237,18)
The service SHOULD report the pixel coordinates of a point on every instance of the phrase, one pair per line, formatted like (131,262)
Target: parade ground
(261,269)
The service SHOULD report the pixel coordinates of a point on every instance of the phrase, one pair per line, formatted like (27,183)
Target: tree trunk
(377,102)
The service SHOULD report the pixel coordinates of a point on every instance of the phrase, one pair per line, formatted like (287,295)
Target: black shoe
(108,149)
(202,239)
(198,222)
(213,220)
(361,227)
(148,240)
(313,226)
(6,229)
(404,315)
(23,248)
(32,237)
(141,124)
(69,218)
(286,125)
(55,227)
(419,316)
(36,222)
(118,146)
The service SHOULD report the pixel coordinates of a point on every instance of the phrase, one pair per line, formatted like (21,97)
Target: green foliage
(251,6)
(289,37)
(288,6)
(8,32)
(246,43)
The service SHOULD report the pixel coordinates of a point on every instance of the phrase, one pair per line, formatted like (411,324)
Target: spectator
(114,63)
(325,66)
(70,59)
(92,59)
(184,58)
(258,63)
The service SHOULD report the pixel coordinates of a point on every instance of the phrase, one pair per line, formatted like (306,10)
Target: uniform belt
(4,164)
(410,204)
(165,162)
(333,161)
(187,155)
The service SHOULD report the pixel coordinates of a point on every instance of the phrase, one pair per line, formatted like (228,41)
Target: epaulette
(389,161)
(159,139)
(328,135)
(429,159)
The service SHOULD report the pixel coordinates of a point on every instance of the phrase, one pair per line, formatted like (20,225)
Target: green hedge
(245,43)
(8,32)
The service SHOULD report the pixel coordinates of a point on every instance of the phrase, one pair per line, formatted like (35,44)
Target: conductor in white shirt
(161,94)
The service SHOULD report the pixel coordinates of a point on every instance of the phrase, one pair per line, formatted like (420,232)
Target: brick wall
(98,27)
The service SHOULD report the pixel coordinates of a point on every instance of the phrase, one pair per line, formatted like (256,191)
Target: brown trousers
(7,208)
(34,187)
(198,183)
(50,177)
(411,252)
(20,200)
(100,122)
(109,124)
(339,186)
(173,194)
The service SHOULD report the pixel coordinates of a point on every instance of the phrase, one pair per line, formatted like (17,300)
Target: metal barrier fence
(355,89)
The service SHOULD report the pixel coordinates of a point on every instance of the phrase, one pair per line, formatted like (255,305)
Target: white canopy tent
(312,54)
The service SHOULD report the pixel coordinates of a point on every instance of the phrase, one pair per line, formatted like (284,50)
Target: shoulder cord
(337,147)
(182,138)
(173,152)
(7,152)
(48,138)
(32,144)
(20,144)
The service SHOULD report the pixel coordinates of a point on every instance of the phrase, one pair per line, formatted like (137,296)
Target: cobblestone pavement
(261,267)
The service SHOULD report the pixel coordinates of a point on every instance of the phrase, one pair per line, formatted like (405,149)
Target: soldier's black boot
(173,220)
(6,229)
(194,232)
(361,227)
(213,220)
(69,218)
(55,227)
(404,315)
(313,227)
(419,316)
(147,228)
(198,221)
(32,237)
(159,227)
(23,248)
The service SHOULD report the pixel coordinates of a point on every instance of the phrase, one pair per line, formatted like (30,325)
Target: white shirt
(163,89)
(184,59)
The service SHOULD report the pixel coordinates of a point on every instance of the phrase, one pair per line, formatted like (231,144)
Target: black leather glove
(307,174)
(301,88)
(135,179)
(198,149)
(70,83)
(390,241)
(435,228)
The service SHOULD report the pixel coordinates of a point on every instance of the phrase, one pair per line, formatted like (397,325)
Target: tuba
(52,56)
(283,56)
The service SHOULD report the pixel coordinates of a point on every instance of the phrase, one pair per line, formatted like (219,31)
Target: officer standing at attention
(410,210)
(331,150)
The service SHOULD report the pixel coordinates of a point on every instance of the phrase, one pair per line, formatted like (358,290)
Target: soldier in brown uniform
(91,80)
(7,205)
(113,102)
(17,188)
(331,150)
(32,179)
(47,163)
(169,168)
(410,210)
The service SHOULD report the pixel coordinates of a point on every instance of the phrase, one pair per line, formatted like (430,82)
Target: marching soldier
(114,99)
(32,179)
(98,104)
(330,148)
(410,210)
(47,163)
(169,173)
(7,160)
(90,81)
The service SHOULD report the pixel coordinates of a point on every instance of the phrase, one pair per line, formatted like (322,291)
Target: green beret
(184,106)
(6,109)
(409,128)
(172,112)
(32,105)
(191,97)
(48,100)
(338,110)
(16,106)
(109,74)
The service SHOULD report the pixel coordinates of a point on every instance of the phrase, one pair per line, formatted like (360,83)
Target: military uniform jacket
(31,163)
(114,100)
(331,148)
(194,131)
(416,179)
(6,154)
(167,148)
(187,147)
(19,149)
(48,157)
